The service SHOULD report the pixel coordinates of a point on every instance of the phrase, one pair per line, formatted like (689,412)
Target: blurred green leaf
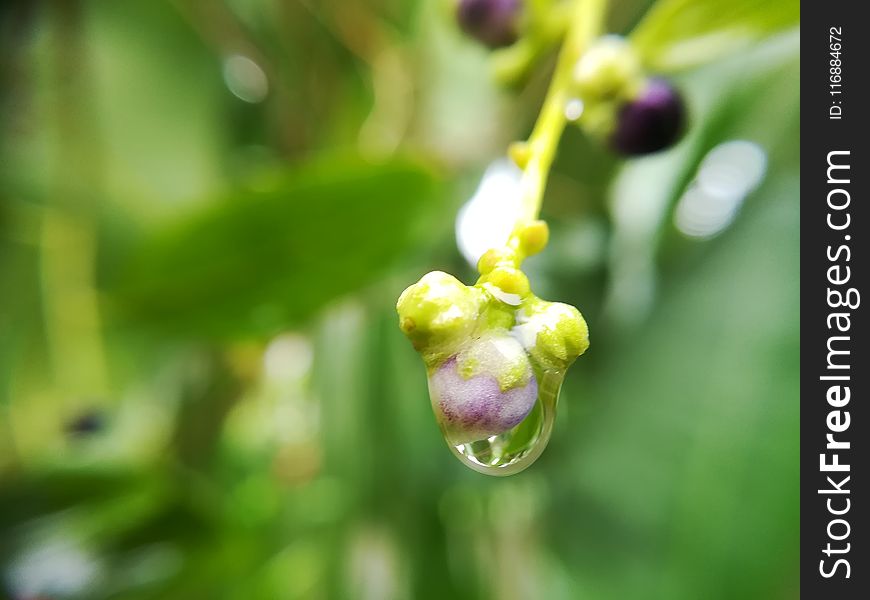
(678,34)
(261,259)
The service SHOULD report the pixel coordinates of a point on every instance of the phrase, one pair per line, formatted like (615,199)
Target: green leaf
(678,34)
(257,261)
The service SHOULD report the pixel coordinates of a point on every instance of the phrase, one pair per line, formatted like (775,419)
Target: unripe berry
(486,390)
(651,122)
(610,69)
(492,22)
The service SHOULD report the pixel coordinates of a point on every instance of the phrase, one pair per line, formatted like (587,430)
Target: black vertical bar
(834,363)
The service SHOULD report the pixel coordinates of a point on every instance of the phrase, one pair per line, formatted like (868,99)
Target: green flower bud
(438,313)
(507,283)
(534,237)
(495,257)
(555,334)
(609,70)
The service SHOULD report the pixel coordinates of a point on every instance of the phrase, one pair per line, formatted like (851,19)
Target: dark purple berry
(492,22)
(651,122)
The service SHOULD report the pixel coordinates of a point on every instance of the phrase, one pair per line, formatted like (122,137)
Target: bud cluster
(486,346)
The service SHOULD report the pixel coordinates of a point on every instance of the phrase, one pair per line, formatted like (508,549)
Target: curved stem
(539,151)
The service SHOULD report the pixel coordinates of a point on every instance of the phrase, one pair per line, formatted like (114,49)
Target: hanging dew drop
(494,406)
(517,448)
(574,109)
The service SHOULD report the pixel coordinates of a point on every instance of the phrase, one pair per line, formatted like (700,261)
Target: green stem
(587,21)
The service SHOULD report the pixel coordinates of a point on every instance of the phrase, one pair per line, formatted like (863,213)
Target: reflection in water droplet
(574,109)
(512,451)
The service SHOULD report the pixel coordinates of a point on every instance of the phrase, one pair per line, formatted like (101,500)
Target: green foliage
(678,34)
(263,259)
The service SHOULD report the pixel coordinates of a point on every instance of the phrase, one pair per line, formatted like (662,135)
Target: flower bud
(437,313)
(494,257)
(492,22)
(485,390)
(610,69)
(555,334)
(506,279)
(651,122)
(534,237)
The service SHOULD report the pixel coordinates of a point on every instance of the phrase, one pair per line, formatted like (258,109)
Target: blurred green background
(207,212)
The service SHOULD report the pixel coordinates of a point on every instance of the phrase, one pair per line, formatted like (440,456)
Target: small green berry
(609,70)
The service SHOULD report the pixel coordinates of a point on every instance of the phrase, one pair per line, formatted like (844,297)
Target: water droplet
(517,448)
(574,109)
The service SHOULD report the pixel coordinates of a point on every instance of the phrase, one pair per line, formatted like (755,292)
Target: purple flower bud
(492,22)
(476,408)
(652,121)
